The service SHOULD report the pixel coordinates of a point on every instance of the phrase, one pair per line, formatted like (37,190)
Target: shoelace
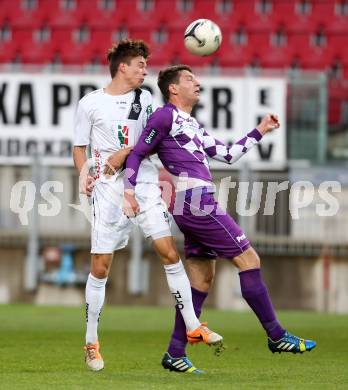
(91,352)
(204,328)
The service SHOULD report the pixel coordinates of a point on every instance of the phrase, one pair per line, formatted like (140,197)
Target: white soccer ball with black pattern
(203,37)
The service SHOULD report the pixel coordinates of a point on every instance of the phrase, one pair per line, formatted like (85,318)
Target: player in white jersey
(111,120)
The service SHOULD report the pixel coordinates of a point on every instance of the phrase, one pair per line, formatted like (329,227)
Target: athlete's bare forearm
(86,181)
(79,156)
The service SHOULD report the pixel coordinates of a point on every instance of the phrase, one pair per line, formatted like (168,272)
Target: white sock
(179,286)
(95,295)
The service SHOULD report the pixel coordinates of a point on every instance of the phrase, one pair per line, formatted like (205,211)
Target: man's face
(135,72)
(188,87)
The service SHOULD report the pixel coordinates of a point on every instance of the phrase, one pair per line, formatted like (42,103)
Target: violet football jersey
(183,146)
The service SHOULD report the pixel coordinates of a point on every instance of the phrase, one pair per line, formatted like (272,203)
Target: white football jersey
(109,123)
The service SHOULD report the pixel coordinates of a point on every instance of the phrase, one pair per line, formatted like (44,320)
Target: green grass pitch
(41,348)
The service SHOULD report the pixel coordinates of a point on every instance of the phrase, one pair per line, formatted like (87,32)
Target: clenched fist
(116,160)
(268,123)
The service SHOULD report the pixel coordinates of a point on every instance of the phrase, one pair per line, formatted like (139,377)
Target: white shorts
(111,228)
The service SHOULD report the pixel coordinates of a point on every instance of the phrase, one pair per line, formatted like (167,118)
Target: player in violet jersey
(183,146)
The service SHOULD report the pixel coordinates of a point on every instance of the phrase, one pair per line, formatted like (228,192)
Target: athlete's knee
(249,259)
(201,273)
(204,283)
(100,271)
(208,280)
(171,257)
(100,266)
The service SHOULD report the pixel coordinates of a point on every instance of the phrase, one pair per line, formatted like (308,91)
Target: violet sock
(255,293)
(178,341)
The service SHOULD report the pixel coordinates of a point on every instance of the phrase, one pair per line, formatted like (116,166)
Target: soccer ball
(203,37)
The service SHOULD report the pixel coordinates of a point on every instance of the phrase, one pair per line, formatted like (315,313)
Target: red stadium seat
(187,58)
(337,23)
(8,51)
(24,18)
(39,53)
(70,52)
(137,18)
(176,39)
(232,55)
(32,51)
(323,12)
(247,13)
(61,36)
(143,34)
(276,56)
(337,44)
(101,41)
(316,59)
(299,42)
(282,11)
(160,57)
(4,14)
(259,42)
(8,9)
(210,10)
(285,13)
(77,54)
(22,37)
(97,17)
(63,18)
(161,53)
(174,18)
(311,57)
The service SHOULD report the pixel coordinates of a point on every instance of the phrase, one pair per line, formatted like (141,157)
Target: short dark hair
(124,51)
(169,76)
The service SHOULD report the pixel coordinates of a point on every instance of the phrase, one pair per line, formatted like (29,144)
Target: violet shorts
(209,231)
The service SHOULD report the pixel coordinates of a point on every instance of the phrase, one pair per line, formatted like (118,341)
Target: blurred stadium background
(288,56)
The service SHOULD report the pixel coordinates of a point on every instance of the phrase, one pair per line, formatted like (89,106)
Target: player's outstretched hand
(116,160)
(268,123)
(130,204)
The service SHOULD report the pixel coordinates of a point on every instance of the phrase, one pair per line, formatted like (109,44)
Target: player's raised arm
(219,151)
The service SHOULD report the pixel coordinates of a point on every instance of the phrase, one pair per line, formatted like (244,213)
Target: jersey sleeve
(219,151)
(82,128)
(157,128)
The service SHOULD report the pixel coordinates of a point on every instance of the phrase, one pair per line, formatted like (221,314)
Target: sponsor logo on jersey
(122,135)
(241,237)
(122,105)
(136,107)
(151,136)
(149,111)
